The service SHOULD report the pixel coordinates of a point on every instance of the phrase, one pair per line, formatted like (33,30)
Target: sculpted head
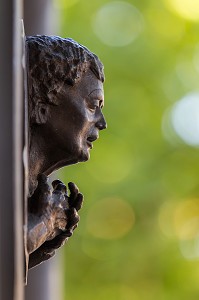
(65,96)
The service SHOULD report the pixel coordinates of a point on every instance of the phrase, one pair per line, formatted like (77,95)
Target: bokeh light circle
(118,23)
(110,218)
(180,220)
(165,218)
(186,219)
(190,248)
(188,9)
(185,119)
(186,226)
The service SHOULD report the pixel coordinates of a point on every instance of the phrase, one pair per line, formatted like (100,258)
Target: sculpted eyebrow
(96,93)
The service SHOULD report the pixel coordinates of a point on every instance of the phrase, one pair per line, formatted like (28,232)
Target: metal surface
(43,282)
(39,17)
(11,235)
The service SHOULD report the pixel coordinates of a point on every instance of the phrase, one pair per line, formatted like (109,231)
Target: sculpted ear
(41,113)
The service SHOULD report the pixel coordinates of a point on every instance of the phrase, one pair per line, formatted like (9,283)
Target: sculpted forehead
(88,87)
(88,84)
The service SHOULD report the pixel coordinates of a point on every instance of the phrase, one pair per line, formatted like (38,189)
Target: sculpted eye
(94,104)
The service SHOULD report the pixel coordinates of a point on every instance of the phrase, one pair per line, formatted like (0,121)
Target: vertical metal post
(39,17)
(42,281)
(6,157)
(11,185)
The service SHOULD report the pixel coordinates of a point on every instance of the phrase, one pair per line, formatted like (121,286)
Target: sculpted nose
(101,123)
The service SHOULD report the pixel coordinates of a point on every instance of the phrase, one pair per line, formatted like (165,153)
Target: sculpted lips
(91,139)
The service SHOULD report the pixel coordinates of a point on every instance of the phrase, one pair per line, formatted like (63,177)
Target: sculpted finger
(73,189)
(60,187)
(73,218)
(73,192)
(42,178)
(78,201)
(43,183)
(39,200)
(55,183)
(57,242)
(69,232)
(39,256)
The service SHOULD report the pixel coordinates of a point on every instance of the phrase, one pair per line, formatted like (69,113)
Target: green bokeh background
(133,241)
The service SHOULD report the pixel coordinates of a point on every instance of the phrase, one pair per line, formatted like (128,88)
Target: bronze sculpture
(65,99)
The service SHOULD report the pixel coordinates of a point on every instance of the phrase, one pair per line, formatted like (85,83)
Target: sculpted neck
(44,159)
(36,161)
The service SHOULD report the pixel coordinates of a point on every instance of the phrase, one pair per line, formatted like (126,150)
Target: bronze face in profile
(65,101)
(75,120)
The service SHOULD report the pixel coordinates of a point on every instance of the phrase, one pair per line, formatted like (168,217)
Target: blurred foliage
(138,235)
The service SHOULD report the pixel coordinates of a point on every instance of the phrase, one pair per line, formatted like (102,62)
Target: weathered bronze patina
(65,99)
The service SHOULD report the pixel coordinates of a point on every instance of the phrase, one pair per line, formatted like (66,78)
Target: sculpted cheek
(89,116)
